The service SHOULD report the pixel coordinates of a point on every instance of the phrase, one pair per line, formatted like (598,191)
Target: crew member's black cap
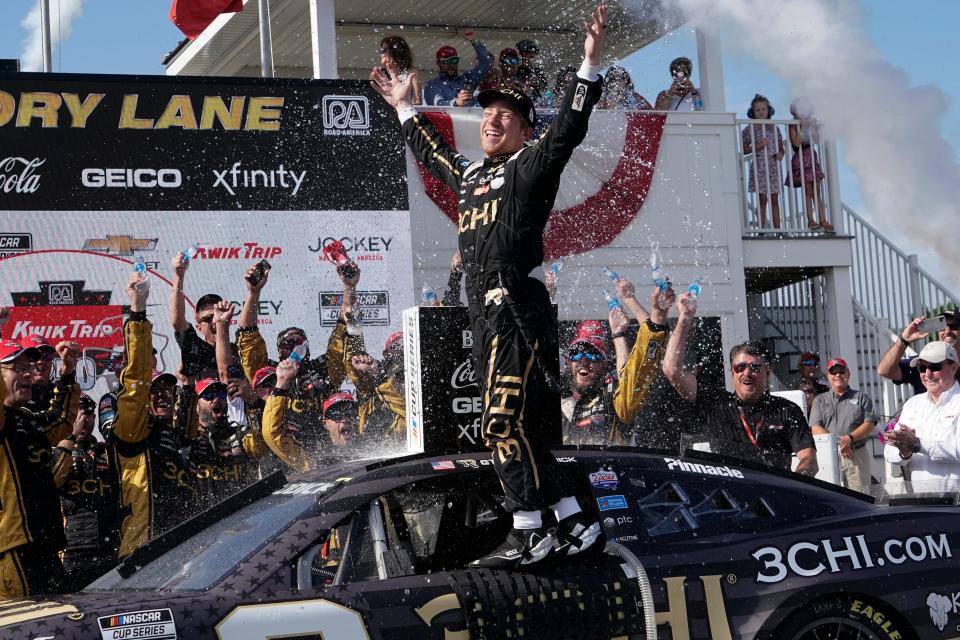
(518,99)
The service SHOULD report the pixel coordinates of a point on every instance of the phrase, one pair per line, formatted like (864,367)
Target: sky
(124,36)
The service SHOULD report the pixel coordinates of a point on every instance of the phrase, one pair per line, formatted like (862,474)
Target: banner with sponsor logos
(97,171)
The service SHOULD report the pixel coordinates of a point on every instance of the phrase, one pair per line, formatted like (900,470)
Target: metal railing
(797,311)
(873,338)
(887,282)
(773,171)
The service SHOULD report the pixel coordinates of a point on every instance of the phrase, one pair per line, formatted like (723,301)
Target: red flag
(193,16)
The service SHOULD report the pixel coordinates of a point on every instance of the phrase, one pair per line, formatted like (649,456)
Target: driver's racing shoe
(576,534)
(522,547)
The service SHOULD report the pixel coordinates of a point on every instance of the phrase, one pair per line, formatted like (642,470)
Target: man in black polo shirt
(748,423)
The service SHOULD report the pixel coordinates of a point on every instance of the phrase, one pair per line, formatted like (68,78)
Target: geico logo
(368,243)
(467,405)
(89,486)
(695,467)
(142,178)
(805,559)
(218,472)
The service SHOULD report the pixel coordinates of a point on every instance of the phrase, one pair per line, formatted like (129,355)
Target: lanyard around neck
(746,427)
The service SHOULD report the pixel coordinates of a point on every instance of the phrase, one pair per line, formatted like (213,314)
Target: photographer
(681,95)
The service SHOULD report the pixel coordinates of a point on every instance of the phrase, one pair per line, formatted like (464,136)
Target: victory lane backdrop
(80,204)
(196,144)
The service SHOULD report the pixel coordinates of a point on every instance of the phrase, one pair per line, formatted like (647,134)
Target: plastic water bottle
(612,301)
(354,324)
(140,268)
(557,266)
(428,295)
(300,352)
(694,288)
(190,252)
(697,101)
(613,275)
(656,274)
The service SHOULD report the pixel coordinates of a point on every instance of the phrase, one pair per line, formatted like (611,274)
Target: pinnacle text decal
(809,559)
(696,467)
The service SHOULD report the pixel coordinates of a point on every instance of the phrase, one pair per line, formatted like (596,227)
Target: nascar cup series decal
(156,624)
(852,553)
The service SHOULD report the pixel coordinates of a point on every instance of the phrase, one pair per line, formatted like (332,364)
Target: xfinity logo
(18,174)
(126,178)
(346,116)
(696,467)
(236,178)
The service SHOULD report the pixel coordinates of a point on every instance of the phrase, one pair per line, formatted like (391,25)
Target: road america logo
(346,116)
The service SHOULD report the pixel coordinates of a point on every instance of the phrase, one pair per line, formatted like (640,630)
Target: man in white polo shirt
(928,434)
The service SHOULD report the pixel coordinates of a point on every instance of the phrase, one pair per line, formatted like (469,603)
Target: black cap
(518,99)
(528,45)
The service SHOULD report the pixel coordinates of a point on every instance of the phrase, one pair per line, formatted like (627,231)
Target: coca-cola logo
(19,174)
(464,377)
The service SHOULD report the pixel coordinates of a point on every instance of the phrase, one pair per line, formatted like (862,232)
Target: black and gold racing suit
(158,489)
(31,523)
(90,499)
(317,378)
(56,406)
(505,202)
(606,416)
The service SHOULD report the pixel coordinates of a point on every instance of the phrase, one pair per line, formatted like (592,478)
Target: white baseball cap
(934,352)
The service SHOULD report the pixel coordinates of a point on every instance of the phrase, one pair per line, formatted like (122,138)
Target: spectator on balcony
(928,434)
(618,92)
(750,422)
(805,166)
(894,367)
(396,49)
(765,142)
(553,99)
(450,87)
(530,73)
(808,369)
(505,75)
(681,95)
(848,413)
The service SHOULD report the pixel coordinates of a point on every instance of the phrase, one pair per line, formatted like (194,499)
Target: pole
(45,36)
(266,41)
(323,38)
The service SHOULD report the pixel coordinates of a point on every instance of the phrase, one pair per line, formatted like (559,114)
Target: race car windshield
(206,557)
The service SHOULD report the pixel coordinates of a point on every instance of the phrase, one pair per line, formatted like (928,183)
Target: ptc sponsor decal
(12,244)
(119,245)
(373,308)
(463,376)
(119,178)
(609,503)
(853,553)
(696,467)
(346,116)
(19,175)
(156,624)
(237,179)
(605,479)
(245,251)
(360,248)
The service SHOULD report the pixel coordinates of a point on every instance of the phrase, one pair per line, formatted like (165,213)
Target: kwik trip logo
(19,175)
(346,116)
(237,178)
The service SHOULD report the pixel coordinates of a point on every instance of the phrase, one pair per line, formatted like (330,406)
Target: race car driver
(505,202)
(317,377)
(156,481)
(31,525)
(380,388)
(602,407)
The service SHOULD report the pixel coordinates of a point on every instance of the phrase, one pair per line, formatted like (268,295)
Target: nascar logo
(156,624)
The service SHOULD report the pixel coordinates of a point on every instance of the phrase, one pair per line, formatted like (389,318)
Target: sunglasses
(213,394)
(513,61)
(590,356)
(953,325)
(453,60)
(340,416)
(291,343)
(809,363)
(22,367)
(755,367)
(383,51)
(837,371)
(933,368)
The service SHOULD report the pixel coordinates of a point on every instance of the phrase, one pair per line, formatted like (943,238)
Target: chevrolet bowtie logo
(120,245)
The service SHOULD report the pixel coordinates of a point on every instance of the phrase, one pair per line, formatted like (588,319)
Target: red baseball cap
(263,375)
(163,376)
(337,398)
(592,333)
(392,340)
(10,350)
(509,52)
(809,355)
(833,362)
(206,383)
(36,341)
(446,51)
